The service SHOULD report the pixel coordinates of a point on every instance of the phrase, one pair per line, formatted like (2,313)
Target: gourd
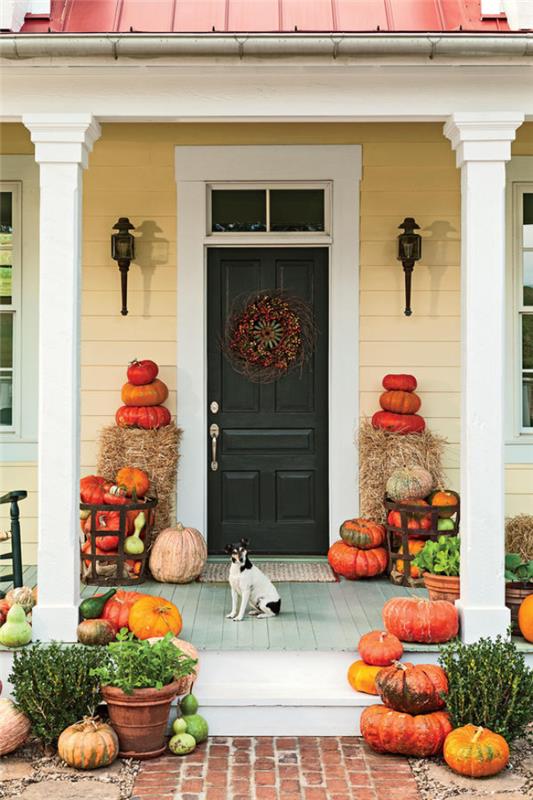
(88,744)
(142,372)
(445,498)
(22,596)
(117,609)
(353,563)
(400,402)
(154,616)
(362,533)
(380,648)
(151,394)
(147,417)
(15,727)
(403,383)
(362,677)
(414,546)
(92,607)
(95,631)
(134,480)
(178,555)
(398,423)
(419,735)
(525,618)
(134,545)
(414,689)
(409,483)
(16,631)
(476,752)
(413,619)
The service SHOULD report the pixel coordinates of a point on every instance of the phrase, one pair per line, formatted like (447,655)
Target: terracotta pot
(514,594)
(140,719)
(442,587)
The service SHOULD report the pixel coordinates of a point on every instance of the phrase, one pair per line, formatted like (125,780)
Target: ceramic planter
(140,719)
(514,594)
(442,587)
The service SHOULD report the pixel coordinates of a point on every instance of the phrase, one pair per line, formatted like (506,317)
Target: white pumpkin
(14,727)
(178,555)
(409,483)
(22,596)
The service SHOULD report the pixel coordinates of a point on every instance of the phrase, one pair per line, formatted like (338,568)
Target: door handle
(214,432)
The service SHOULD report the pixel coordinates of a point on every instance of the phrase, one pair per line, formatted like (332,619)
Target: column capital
(482,136)
(62,138)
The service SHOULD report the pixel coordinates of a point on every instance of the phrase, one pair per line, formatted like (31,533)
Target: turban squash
(413,619)
(380,648)
(353,563)
(476,752)
(419,735)
(362,533)
(413,688)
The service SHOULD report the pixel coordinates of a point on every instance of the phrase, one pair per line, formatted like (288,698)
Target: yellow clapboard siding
(420,204)
(18,475)
(430,378)
(100,403)
(138,329)
(518,504)
(150,251)
(140,304)
(160,278)
(15,139)
(424,354)
(447,228)
(438,253)
(28,507)
(423,155)
(119,353)
(435,304)
(137,201)
(29,553)
(98,227)
(519,479)
(382,178)
(434,404)
(150,178)
(424,278)
(409,329)
(104,378)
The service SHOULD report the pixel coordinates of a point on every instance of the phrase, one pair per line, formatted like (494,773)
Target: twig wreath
(268,334)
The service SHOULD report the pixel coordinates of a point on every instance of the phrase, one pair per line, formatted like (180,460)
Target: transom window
(9,297)
(524,217)
(274,208)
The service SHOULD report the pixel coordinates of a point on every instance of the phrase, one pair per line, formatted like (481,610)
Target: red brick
(266,793)
(286,744)
(265,778)
(240,787)
(216,777)
(288,771)
(336,786)
(313,778)
(215,793)
(315,794)
(194,786)
(290,786)
(263,763)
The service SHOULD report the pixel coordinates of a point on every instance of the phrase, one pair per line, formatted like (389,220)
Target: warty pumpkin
(178,555)
(400,402)
(399,382)
(476,752)
(398,423)
(353,563)
(154,616)
(380,648)
(362,533)
(419,735)
(413,688)
(150,394)
(88,744)
(409,483)
(525,617)
(362,677)
(22,596)
(146,417)
(413,619)
(15,727)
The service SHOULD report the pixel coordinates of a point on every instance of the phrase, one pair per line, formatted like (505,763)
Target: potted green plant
(518,584)
(139,680)
(439,564)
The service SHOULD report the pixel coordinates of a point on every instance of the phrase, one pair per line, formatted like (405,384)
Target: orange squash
(362,533)
(362,677)
(419,735)
(134,480)
(353,563)
(445,498)
(380,648)
(414,546)
(88,744)
(400,402)
(413,619)
(413,688)
(154,616)
(476,752)
(150,394)
(525,618)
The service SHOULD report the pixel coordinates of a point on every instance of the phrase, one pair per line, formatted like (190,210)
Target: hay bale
(156,452)
(380,452)
(519,536)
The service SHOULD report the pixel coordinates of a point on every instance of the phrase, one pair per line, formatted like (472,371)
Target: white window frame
(14,308)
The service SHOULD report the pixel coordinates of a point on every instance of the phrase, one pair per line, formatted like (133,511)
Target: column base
(479,622)
(55,623)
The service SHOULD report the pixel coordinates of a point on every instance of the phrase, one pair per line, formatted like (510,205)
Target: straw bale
(519,536)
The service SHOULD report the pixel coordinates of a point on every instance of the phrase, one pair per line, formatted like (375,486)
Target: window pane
(528,277)
(297,210)
(6,341)
(528,220)
(237,210)
(6,217)
(6,399)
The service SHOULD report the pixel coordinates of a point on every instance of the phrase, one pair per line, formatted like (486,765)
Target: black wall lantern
(123,251)
(409,252)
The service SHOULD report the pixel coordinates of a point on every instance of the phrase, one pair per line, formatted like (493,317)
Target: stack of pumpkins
(142,397)
(399,403)
(359,553)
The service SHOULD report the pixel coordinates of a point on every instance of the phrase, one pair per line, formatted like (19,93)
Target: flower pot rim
(435,575)
(519,585)
(141,694)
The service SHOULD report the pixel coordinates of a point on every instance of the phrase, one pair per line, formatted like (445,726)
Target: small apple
(445,524)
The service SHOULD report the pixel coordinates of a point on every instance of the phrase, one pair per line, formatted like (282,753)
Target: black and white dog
(251,585)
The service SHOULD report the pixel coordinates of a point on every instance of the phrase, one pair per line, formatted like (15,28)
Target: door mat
(277,571)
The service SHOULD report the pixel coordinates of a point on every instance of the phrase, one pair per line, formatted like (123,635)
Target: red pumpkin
(413,688)
(389,731)
(362,533)
(107,521)
(134,480)
(146,417)
(400,402)
(87,548)
(415,522)
(413,619)
(353,563)
(92,489)
(116,496)
(142,372)
(380,648)
(398,423)
(402,383)
(117,609)
(150,394)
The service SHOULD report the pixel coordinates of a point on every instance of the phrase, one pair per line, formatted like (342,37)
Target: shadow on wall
(440,232)
(151,251)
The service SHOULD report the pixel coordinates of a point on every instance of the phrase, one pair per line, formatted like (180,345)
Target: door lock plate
(213,407)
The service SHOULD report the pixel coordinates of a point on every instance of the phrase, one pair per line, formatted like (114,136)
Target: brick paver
(280,768)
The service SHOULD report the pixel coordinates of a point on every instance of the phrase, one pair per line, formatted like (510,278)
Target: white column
(482,142)
(62,144)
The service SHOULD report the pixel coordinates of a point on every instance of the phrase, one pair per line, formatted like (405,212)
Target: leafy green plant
(489,685)
(517,570)
(441,557)
(54,685)
(134,664)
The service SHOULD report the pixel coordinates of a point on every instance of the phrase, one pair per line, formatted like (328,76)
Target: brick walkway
(278,768)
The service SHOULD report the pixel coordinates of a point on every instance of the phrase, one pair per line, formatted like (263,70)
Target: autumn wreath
(268,334)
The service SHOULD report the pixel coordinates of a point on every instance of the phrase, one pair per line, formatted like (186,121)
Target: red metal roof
(274,16)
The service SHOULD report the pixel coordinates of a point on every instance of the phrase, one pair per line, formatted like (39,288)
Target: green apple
(445,525)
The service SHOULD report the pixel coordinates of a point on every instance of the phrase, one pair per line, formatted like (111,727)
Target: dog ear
(228,548)
(245,542)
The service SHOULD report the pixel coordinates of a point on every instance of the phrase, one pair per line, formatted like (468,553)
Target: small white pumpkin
(409,482)
(14,727)
(178,555)
(22,596)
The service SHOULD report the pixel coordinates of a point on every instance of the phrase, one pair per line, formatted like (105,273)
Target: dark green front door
(271,485)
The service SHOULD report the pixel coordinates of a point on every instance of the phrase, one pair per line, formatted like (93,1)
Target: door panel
(271,485)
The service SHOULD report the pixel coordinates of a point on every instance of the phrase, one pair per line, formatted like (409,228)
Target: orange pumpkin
(413,619)
(398,423)
(178,555)
(419,735)
(362,533)
(134,480)
(414,546)
(404,383)
(525,618)
(400,402)
(476,752)
(150,394)
(353,563)
(88,744)
(380,648)
(362,677)
(413,688)
(154,616)
(445,498)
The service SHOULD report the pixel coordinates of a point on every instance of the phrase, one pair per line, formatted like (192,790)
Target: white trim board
(196,167)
